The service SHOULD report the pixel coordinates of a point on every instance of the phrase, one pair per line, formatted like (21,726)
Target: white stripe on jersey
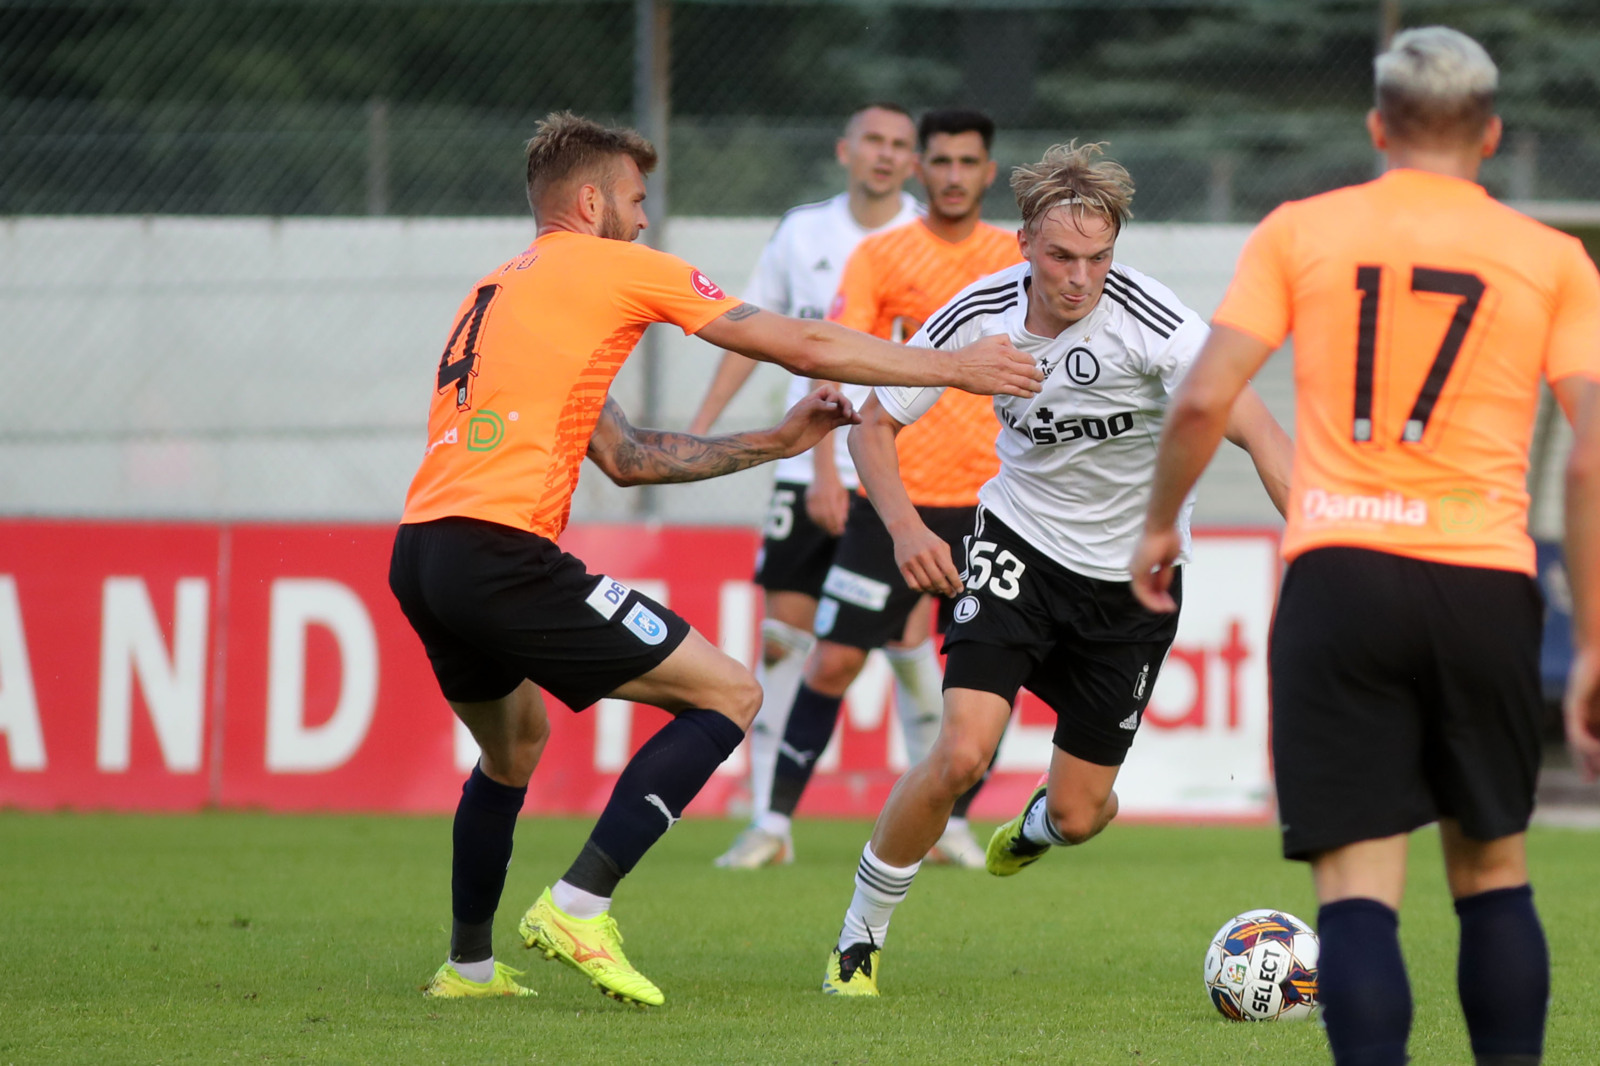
(1075,460)
(798,275)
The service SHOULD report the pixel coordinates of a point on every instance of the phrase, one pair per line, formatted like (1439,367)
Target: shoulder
(1147,304)
(886,241)
(994,294)
(806,218)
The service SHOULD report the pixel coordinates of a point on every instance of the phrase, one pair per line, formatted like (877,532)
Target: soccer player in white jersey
(1045,601)
(798,275)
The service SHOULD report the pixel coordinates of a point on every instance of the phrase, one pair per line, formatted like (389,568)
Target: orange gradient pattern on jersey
(1424,315)
(893,283)
(526,370)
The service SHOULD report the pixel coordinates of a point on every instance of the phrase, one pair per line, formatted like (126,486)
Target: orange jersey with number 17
(526,370)
(893,283)
(1424,315)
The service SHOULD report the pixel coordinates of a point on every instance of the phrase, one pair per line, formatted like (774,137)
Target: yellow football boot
(449,984)
(592,946)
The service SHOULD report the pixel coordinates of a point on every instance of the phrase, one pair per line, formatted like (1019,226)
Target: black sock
(811,722)
(655,787)
(1503,975)
(486,822)
(1361,980)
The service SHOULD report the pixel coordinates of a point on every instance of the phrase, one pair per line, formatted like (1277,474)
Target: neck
(566,223)
(870,211)
(951,229)
(1039,321)
(1450,162)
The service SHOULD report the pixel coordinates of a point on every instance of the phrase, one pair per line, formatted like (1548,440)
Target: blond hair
(1435,85)
(1069,175)
(567,146)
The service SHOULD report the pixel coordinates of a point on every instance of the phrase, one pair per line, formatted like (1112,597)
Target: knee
(1078,824)
(958,765)
(833,667)
(743,699)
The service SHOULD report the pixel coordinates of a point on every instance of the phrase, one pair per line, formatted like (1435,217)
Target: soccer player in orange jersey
(893,282)
(519,399)
(1405,649)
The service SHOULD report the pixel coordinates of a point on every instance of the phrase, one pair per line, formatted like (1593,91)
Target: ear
(988,175)
(841,151)
(1022,241)
(591,203)
(1493,130)
(1380,136)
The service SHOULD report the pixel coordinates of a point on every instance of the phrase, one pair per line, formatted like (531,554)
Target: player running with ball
(1047,602)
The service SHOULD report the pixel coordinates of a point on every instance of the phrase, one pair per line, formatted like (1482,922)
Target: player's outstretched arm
(1194,426)
(921,554)
(1252,427)
(732,372)
(1580,399)
(821,349)
(633,456)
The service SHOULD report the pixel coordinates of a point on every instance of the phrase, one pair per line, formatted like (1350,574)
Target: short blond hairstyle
(1435,85)
(566,146)
(1069,175)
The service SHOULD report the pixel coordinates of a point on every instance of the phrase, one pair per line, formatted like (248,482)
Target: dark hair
(955,120)
(567,146)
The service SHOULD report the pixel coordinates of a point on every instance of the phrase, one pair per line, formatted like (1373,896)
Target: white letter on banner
(174,688)
(297,605)
(613,719)
(19,708)
(736,619)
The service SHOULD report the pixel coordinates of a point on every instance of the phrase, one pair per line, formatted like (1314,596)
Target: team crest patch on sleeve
(646,624)
(607,597)
(966,609)
(706,287)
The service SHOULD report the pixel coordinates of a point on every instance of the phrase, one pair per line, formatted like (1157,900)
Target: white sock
(578,903)
(918,696)
(478,972)
(879,889)
(779,825)
(779,683)
(1037,828)
(957,825)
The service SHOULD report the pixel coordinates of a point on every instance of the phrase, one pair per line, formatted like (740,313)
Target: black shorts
(494,605)
(795,551)
(1084,646)
(1403,691)
(865,602)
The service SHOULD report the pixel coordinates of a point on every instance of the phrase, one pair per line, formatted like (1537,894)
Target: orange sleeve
(658,287)
(1259,299)
(856,304)
(1575,324)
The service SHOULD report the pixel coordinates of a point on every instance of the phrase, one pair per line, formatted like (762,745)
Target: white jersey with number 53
(1075,460)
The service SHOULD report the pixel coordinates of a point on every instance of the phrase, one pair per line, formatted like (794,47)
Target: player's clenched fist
(924,560)
(820,413)
(993,365)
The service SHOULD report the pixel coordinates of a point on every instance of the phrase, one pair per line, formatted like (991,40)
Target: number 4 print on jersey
(461,372)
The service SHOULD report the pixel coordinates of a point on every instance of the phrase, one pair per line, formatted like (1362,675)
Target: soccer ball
(1262,967)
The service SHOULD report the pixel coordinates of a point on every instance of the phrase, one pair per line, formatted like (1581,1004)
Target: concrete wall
(257,368)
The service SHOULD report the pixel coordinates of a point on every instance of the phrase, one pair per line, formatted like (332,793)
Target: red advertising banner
(172,666)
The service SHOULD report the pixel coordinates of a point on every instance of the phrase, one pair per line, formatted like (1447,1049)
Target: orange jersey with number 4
(893,283)
(1424,315)
(526,369)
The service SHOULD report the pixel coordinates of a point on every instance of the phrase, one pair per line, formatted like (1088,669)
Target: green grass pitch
(224,938)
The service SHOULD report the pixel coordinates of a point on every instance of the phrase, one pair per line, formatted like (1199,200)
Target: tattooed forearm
(632,456)
(649,456)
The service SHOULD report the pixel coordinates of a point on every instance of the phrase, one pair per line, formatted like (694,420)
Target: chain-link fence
(270,360)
